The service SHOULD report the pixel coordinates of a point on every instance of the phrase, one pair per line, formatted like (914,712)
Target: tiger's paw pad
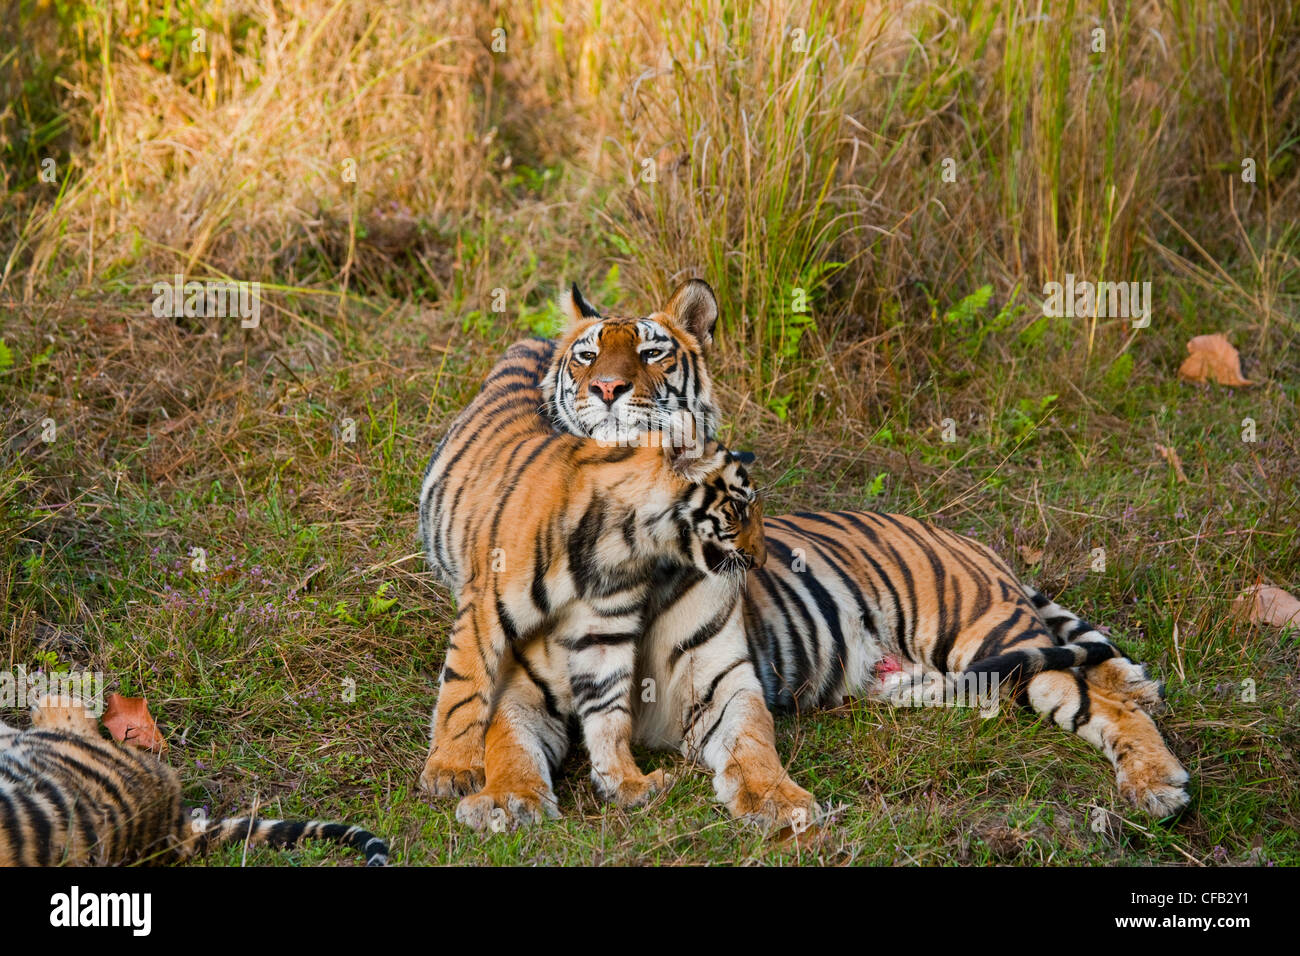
(1157,786)
(785,804)
(443,778)
(634,791)
(502,810)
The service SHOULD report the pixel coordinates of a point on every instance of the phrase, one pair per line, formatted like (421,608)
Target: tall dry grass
(787,151)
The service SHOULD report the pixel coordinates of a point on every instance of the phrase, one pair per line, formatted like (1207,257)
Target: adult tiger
(850,594)
(552,544)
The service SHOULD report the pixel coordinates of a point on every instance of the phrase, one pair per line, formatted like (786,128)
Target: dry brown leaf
(1265,604)
(809,837)
(128,720)
(1171,456)
(1030,555)
(1212,356)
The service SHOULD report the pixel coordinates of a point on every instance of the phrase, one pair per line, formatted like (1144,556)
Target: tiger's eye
(586,356)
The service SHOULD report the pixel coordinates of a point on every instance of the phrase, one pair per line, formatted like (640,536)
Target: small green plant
(1021,419)
(341,612)
(378,603)
(967,319)
(46,660)
(1119,373)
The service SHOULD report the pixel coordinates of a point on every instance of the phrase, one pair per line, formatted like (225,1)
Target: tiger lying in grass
(850,594)
(68,796)
(847,596)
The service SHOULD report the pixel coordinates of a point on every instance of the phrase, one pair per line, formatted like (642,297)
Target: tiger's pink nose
(607,389)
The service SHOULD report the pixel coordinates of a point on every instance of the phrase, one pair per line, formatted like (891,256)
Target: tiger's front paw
(452,775)
(782,803)
(500,810)
(632,790)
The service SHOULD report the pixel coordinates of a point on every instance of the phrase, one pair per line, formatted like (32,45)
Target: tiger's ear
(694,307)
(64,712)
(695,461)
(574,307)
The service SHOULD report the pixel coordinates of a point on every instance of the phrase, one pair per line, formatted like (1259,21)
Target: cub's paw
(778,804)
(1156,783)
(448,777)
(632,791)
(501,810)
(1128,680)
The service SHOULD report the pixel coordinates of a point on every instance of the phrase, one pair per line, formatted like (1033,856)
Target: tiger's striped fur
(845,591)
(542,534)
(848,591)
(68,796)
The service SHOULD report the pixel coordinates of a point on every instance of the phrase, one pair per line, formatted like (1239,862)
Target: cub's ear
(64,712)
(694,307)
(696,461)
(574,307)
(744,457)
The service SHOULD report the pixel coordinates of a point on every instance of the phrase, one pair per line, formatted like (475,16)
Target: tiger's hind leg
(454,766)
(1010,641)
(527,739)
(1148,774)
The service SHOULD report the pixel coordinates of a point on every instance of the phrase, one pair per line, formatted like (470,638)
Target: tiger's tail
(1026,662)
(1124,677)
(1076,644)
(1064,625)
(286,834)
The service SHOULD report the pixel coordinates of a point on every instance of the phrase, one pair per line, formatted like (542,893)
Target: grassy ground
(774,175)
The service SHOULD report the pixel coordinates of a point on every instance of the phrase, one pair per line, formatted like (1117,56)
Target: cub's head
(719,514)
(615,378)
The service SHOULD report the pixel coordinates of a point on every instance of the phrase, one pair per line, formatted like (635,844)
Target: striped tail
(289,833)
(1064,625)
(1124,677)
(1026,662)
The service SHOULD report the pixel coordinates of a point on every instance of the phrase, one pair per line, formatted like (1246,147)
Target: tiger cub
(556,538)
(861,602)
(68,796)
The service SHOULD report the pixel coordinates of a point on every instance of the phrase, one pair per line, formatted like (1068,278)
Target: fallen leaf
(1176,463)
(1265,604)
(1212,356)
(805,838)
(1030,556)
(128,720)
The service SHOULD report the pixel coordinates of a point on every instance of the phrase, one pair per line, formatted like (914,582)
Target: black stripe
(548,698)
(698,709)
(538,587)
(11,828)
(461,703)
(907,625)
(602,640)
(722,712)
(585,687)
(40,827)
(703,634)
